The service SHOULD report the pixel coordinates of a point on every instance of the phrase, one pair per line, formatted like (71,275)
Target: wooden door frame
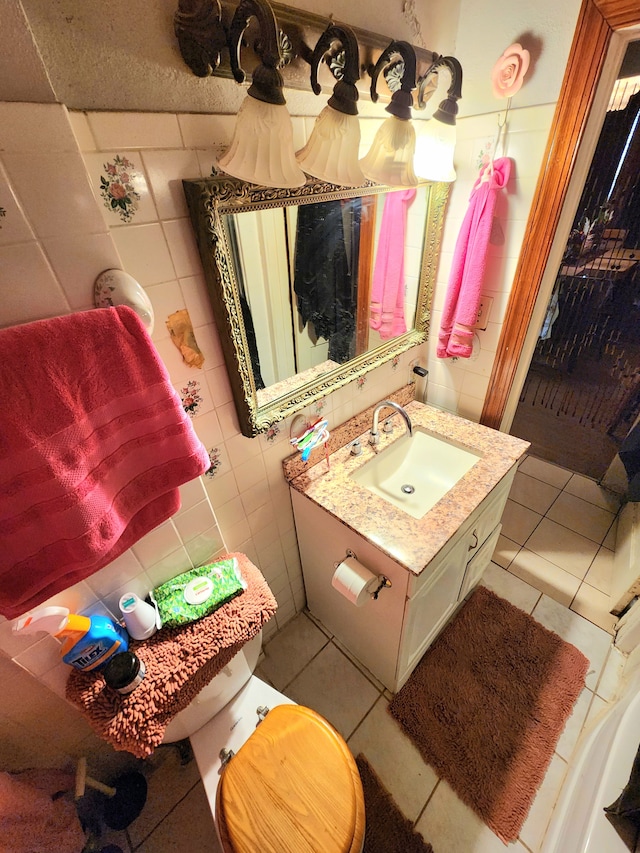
(597,22)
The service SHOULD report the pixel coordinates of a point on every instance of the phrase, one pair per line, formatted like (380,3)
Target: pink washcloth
(464,290)
(179,663)
(33,816)
(387,292)
(94,443)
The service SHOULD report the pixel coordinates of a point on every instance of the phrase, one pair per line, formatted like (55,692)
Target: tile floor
(553,560)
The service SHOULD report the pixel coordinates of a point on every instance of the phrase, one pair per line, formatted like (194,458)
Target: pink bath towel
(94,443)
(387,292)
(33,815)
(464,290)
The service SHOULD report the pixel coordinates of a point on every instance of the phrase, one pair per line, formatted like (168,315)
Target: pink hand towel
(94,443)
(387,292)
(464,290)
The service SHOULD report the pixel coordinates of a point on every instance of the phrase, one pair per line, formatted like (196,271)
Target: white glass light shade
(331,153)
(390,158)
(434,151)
(261,151)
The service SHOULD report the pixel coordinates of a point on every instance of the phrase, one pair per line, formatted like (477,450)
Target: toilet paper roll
(354,581)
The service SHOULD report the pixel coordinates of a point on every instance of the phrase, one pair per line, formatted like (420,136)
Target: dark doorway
(582,391)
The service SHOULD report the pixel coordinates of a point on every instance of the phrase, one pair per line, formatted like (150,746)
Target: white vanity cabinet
(389,635)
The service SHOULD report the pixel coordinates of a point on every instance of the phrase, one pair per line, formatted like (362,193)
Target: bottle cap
(123,672)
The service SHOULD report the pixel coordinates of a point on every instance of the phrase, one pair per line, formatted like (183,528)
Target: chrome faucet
(374,436)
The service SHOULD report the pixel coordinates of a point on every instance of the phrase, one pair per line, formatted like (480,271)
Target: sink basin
(416,471)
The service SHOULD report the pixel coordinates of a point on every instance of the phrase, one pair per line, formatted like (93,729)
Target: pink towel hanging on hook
(387,292)
(469,262)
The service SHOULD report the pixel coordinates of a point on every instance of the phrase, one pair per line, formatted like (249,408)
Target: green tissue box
(198,592)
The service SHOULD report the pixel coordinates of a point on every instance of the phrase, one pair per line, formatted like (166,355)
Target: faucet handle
(356,447)
(387,426)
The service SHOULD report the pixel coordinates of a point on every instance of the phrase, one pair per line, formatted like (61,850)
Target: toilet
(278,777)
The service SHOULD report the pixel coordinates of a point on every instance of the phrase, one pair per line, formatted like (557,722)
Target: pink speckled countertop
(410,542)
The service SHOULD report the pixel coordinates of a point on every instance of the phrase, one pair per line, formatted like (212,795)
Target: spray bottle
(88,641)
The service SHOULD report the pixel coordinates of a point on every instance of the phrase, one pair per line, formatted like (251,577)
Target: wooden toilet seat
(293,787)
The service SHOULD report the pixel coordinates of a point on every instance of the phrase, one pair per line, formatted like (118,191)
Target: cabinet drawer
(474,532)
(490,514)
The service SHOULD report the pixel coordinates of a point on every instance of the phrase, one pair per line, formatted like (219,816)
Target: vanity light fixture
(436,144)
(331,153)
(390,158)
(261,150)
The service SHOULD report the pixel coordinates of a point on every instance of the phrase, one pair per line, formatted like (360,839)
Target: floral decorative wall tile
(191,397)
(120,186)
(195,395)
(117,188)
(484,153)
(216,461)
(208,160)
(272,433)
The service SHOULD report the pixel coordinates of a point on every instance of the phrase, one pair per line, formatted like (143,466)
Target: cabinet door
(428,611)
(479,562)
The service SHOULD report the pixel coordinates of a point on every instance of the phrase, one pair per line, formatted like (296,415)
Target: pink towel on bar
(464,290)
(387,292)
(94,443)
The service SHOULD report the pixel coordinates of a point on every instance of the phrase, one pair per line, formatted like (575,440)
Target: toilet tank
(216,694)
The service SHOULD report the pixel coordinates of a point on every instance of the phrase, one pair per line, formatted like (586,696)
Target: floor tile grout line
(362,669)
(365,717)
(562,489)
(299,673)
(429,798)
(576,532)
(135,847)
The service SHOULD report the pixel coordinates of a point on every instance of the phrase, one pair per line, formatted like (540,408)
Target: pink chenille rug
(486,705)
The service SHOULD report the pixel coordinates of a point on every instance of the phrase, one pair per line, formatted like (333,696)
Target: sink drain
(408,489)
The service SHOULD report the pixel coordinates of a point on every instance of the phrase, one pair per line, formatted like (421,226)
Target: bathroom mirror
(292,276)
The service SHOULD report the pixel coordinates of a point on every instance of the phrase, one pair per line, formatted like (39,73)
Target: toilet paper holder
(383,583)
(383,580)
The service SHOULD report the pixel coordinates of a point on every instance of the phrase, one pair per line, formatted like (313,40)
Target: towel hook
(116,287)
(501,134)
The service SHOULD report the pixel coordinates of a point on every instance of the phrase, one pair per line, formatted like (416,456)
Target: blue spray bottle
(87,641)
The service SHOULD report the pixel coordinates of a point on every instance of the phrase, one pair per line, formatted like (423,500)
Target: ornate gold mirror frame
(209,199)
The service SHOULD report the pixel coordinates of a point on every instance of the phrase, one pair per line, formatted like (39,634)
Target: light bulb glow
(435,146)
(390,158)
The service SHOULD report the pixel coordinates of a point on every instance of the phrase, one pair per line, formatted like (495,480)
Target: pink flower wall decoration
(508,72)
